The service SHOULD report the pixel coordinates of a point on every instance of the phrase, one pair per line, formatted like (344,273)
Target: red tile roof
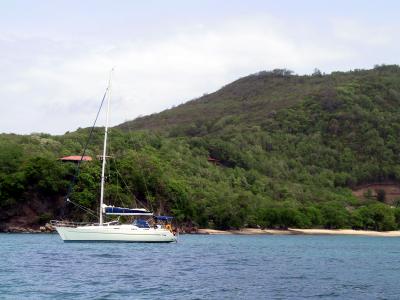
(76,158)
(210,159)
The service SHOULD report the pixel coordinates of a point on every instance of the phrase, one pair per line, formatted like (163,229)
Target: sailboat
(138,231)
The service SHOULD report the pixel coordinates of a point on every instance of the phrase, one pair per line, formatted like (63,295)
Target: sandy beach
(296,231)
(345,232)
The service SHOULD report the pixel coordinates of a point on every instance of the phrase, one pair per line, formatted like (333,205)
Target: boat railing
(58,223)
(76,224)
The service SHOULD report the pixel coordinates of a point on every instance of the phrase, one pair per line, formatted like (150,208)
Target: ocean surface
(41,266)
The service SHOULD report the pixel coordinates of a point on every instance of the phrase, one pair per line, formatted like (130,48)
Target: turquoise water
(41,266)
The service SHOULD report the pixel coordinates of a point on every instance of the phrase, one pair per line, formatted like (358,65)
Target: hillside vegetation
(289,150)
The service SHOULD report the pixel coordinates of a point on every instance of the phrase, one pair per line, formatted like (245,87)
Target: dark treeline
(287,149)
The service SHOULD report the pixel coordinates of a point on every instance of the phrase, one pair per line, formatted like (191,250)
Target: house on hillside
(213,160)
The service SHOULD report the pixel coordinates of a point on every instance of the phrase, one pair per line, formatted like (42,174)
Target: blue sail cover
(111,210)
(163,218)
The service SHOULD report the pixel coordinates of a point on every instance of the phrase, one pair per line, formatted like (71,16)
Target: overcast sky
(55,55)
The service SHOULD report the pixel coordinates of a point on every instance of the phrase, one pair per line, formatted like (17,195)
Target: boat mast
(104,151)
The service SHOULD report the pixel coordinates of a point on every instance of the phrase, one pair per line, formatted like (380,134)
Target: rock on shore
(48,228)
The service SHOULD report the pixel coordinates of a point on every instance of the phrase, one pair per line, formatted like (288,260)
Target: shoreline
(297,231)
(244,231)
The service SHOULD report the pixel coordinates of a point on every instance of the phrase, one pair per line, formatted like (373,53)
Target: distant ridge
(251,99)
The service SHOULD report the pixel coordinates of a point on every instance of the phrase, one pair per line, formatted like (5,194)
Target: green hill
(288,148)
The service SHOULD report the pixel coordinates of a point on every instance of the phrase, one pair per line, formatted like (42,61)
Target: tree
(381,195)
(316,73)
(335,216)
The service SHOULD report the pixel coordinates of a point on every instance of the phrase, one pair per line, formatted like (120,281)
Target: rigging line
(110,172)
(142,173)
(125,183)
(88,210)
(141,167)
(130,190)
(143,177)
(111,176)
(77,170)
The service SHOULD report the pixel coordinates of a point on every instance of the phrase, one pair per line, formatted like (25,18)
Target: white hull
(115,233)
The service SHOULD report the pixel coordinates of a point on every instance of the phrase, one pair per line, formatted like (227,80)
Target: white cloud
(362,33)
(55,85)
